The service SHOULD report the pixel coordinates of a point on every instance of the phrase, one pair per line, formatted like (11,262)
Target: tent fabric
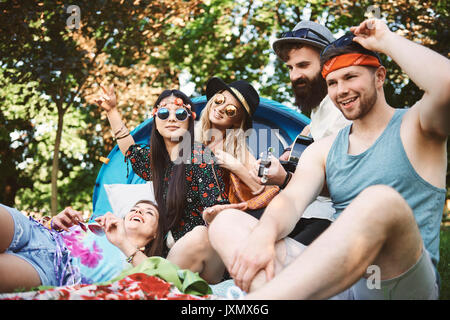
(269,115)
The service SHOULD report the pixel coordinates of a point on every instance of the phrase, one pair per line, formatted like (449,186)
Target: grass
(444,263)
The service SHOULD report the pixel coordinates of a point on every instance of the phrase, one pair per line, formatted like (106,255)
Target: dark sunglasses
(230,110)
(306,33)
(346,40)
(181,114)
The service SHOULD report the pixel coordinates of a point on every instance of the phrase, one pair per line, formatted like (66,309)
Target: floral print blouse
(204,182)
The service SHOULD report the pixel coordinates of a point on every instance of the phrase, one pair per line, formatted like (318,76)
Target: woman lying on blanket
(64,253)
(185,177)
(222,127)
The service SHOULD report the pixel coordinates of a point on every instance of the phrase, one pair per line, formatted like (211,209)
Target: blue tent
(284,125)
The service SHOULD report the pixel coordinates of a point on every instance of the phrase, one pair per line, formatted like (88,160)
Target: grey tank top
(385,162)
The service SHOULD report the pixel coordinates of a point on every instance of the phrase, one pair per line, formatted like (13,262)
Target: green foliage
(37,44)
(444,263)
(75,180)
(47,70)
(17,135)
(237,44)
(27,133)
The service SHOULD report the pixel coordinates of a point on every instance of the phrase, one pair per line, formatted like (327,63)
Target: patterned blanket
(154,279)
(136,286)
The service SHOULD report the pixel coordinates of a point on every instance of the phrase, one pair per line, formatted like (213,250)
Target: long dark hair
(156,246)
(173,207)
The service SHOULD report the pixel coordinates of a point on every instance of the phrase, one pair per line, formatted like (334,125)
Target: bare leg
(194,252)
(229,231)
(14,272)
(6,229)
(378,227)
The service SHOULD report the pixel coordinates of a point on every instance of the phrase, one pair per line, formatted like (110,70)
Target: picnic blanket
(154,279)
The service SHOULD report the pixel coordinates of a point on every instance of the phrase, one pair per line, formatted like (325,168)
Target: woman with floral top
(185,177)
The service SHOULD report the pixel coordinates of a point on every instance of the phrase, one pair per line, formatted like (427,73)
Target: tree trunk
(9,191)
(55,163)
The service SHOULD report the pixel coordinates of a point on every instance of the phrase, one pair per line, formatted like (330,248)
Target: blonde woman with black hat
(223,127)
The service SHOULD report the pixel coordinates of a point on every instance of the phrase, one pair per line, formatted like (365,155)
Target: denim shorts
(43,249)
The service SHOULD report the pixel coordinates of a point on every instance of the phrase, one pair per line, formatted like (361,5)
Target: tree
(144,46)
(36,41)
(15,149)
(26,141)
(230,39)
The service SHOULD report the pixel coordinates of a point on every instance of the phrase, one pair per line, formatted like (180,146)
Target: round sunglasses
(230,110)
(181,114)
(306,33)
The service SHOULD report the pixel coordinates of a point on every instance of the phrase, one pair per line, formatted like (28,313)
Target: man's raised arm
(429,70)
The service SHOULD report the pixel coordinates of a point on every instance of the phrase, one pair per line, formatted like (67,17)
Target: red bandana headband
(347,60)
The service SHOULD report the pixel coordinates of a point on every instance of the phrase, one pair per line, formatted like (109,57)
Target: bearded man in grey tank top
(386,177)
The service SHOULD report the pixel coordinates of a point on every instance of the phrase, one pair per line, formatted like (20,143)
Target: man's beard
(309,96)
(365,105)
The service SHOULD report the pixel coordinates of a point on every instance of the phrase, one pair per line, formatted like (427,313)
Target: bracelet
(124,136)
(48,224)
(130,258)
(286,180)
(118,131)
(51,226)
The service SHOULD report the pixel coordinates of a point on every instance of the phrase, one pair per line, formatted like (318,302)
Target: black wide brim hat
(241,90)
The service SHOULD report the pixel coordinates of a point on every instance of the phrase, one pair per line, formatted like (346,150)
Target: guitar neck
(300,144)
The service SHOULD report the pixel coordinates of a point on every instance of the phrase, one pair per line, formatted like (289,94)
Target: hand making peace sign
(107,100)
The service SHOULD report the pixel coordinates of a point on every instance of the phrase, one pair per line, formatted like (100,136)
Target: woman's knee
(197,239)
(231,218)
(230,222)
(193,246)
(6,229)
